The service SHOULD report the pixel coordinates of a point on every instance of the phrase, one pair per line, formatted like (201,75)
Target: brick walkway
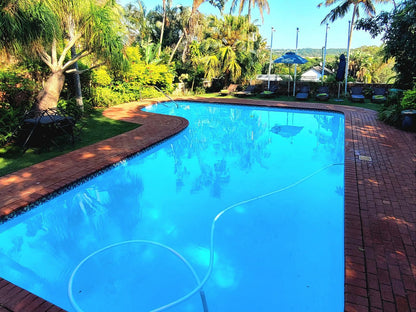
(380,200)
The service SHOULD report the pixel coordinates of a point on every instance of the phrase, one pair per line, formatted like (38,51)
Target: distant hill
(309,52)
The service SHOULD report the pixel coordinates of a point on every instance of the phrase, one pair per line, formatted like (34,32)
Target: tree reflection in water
(170,194)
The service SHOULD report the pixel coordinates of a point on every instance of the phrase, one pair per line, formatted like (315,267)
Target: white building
(315,74)
(265,77)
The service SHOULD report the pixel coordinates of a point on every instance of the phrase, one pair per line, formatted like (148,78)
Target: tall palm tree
(343,8)
(262,5)
(137,23)
(162,28)
(193,22)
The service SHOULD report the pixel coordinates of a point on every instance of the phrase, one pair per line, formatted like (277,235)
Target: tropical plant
(136,21)
(226,52)
(193,21)
(399,36)
(16,96)
(390,112)
(262,5)
(409,99)
(93,26)
(367,64)
(343,8)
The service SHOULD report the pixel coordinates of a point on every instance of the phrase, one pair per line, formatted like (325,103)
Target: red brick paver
(380,200)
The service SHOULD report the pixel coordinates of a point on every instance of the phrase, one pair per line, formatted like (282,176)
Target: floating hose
(200,284)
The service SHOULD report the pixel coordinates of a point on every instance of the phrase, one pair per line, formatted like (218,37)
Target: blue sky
(286,16)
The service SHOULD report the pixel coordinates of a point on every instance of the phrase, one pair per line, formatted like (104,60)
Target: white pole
(324,60)
(348,58)
(270,64)
(294,79)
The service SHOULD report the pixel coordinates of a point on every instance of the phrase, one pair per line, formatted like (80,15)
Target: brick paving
(380,199)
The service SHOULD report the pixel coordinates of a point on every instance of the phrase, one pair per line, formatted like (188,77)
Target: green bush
(199,90)
(10,119)
(16,89)
(71,108)
(157,74)
(135,84)
(17,94)
(390,112)
(148,92)
(409,99)
(106,97)
(101,77)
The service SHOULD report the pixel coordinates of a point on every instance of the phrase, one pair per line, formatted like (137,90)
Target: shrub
(409,99)
(16,89)
(71,108)
(100,77)
(200,90)
(17,93)
(10,119)
(106,97)
(390,112)
(140,72)
(148,92)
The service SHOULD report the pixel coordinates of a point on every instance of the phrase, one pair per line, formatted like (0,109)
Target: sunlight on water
(284,252)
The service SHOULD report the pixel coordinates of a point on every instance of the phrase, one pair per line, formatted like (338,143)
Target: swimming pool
(281,252)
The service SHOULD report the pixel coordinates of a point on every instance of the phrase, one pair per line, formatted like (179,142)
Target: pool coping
(377,278)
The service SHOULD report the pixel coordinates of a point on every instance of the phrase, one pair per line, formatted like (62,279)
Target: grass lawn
(96,128)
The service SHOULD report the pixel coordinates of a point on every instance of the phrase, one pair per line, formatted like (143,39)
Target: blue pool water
(280,252)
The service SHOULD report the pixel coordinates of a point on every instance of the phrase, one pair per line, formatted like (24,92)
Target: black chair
(322,94)
(379,95)
(43,127)
(303,93)
(230,90)
(250,90)
(357,94)
(271,92)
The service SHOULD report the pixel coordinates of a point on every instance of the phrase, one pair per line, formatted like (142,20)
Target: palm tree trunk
(162,29)
(75,76)
(249,12)
(190,33)
(176,48)
(354,14)
(49,96)
(77,81)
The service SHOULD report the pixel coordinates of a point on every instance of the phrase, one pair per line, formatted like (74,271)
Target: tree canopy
(399,36)
(94,27)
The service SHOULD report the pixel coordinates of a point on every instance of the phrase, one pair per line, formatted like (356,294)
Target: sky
(286,16)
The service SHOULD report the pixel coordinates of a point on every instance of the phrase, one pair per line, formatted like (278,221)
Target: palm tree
(93,26)
(262,5)
(342,9)
(137,23)
(225,49)
(20,28)
(193,22)
(162,28)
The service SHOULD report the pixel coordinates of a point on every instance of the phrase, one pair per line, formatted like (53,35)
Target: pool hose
(200,284)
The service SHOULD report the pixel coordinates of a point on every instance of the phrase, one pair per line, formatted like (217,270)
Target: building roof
(319,70)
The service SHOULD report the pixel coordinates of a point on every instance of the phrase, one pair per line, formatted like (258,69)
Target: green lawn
(95,128)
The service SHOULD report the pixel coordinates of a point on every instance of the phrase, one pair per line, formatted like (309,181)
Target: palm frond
(337,12)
